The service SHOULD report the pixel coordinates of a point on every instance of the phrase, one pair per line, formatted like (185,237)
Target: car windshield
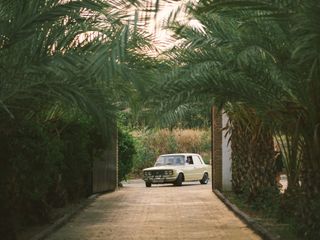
(170,160)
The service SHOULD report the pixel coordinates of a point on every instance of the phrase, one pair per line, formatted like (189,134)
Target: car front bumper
(159,180)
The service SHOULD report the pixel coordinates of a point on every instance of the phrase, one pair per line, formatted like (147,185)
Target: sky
(163,37)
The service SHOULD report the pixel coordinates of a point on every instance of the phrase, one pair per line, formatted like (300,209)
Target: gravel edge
(256,227)
(63,220)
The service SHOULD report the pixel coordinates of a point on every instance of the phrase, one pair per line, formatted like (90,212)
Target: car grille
(157,172)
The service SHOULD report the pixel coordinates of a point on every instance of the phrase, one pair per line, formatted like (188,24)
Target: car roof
(174,154)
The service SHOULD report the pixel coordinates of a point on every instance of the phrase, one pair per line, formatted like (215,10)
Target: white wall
(226,157)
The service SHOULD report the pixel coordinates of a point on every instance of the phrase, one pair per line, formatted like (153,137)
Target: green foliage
(66,68)
(145,156)
(311,218)
(267,200)
(127,151)
(266,212)
(304,216)
(30,162)
(43,166)
(63,57)
(285,210)
(76,168)
(263,55)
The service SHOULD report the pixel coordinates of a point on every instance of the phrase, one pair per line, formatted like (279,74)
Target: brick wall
(216,128)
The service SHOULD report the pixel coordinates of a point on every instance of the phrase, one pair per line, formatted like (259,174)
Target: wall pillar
(226,156)
(216,148)
(220,151)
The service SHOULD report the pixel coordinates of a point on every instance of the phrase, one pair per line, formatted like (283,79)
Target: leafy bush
(74,178)
(145,156)
(30,161)
(305,215)
(42,166)
(126,148)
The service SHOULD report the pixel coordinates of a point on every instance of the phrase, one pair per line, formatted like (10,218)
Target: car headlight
(168,172)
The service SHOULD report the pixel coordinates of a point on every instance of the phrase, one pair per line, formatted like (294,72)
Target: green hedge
(127,151)
(42,166)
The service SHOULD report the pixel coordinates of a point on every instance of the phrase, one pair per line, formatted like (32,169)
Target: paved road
(161,212)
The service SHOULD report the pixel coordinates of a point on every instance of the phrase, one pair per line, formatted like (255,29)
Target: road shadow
(183,185)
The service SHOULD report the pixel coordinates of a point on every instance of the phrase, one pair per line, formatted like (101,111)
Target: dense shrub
(74,178)
(145,156)
(126,148)
(42,166)
(305,215)
(30,161)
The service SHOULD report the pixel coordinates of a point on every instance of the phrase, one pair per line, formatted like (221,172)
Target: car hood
(166,167)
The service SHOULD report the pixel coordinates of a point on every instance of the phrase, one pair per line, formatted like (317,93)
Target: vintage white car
(177,168)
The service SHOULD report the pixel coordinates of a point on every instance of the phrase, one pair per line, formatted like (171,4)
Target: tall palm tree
(62,59)
(219,65)
(263,54)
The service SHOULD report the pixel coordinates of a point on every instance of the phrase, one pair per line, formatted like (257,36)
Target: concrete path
(160,212)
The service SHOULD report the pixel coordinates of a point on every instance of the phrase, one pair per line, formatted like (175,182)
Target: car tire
(148,184)
(179,180)
(205,179)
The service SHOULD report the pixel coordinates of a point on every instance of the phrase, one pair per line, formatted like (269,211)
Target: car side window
(179,161)
(197,160)
(189,160)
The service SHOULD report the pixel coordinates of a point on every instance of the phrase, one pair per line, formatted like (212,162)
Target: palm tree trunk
(309,212)
(262,171)
(253,156)
(240,149)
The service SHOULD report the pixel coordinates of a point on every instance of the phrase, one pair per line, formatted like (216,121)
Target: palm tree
(206,72)
(64,59)
(61,51)
(264,55)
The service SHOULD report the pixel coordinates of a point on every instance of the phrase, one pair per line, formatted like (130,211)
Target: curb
(63,220)
(256,227)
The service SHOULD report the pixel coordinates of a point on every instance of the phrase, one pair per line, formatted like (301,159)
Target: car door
(199,167)
(190,169)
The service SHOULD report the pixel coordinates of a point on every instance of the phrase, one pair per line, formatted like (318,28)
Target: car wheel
(205,179)
(148,184)
(179,180)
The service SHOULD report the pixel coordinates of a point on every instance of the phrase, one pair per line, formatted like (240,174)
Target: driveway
(135,212)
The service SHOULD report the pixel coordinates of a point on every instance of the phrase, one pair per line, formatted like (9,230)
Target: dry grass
(173,141)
